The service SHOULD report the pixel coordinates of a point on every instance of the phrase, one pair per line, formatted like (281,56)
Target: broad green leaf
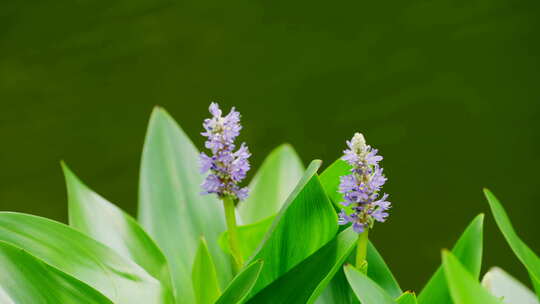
(241,285)
(306,281)
(468,250)
(250,237)
(171,207)
(536,285)
(205,281)
(407,298)
(365,289)
(119,279)
(330,180)
(25,279)
(377,269)
(528,258)
(304,224)
(272,184)
(379,272)
(337,291)
(96,217)
(504,286)
(463,286)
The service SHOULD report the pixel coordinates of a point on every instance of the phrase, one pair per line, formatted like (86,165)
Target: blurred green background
(447,90)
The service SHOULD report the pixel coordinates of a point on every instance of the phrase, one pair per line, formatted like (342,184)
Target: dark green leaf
(463,286)
(306,281)
(171,207)
(25,279)
(379,272)
(79,256)
(306,222)
(468,250)
(367,291)
(96,217)
(338,291)
(272,184)
(250,237)
(528,258)
(205,281)
(242,284)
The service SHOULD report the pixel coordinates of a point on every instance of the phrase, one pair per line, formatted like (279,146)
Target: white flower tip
(358,142)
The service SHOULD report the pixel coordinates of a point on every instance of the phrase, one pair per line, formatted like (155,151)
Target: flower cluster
(227,167)
(361,188)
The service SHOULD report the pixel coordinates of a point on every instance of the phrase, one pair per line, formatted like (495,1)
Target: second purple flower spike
(227,167)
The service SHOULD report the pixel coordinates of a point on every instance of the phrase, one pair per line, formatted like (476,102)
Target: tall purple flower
(361,188)
(227,167)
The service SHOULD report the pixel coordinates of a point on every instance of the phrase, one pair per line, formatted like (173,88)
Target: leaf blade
(241,285)
(365,289)
(204,276)
(502,285)
(468,249)
(272,184)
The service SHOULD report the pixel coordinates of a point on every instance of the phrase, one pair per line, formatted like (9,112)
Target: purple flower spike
(361,188)
(227,167)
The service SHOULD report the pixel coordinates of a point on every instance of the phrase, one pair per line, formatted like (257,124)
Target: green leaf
(338,290)
(250,237)
(330,180)
(272,184)
(96,217)
(463,286)
(468,250)
(25,279)
(365,289)
(171,207)
(379,272)
(504,286)
(407,298)
(79,256)
(242,284)
(205,281)
(306,281)
(527,257)
(306,222)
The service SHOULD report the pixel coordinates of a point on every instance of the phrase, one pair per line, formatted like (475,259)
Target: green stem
(234,243)
(361,251)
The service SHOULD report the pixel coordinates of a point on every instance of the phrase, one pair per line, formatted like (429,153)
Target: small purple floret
(361,188)
(227,167)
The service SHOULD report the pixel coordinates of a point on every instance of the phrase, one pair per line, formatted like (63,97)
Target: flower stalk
(234,242)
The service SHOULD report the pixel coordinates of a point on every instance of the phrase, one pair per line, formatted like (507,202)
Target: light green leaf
(304,224)
(468,250)
(242,284)
(205,282)
(330,180)
(306,281)
(528,258)
(250,237)
(25,279)
(379,272)
(96,217)
(171,207)
(79,256)
(365,289)
(338,291)
(407,298)
(272,184)
(463,286)
(504,286)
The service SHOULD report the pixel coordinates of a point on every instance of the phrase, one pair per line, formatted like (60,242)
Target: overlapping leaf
(205,281)
(528,258)
(171,207)
(407,298)
(463,286)
(306,281)
(367,291)
(96,217)
(241,285)
(26,280)
(119,279)
(272,184)
(468,250)
(305,223)
(250,237)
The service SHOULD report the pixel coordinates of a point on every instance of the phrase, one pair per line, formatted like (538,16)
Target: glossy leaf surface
(241,285)
(205,281)
(365,289)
